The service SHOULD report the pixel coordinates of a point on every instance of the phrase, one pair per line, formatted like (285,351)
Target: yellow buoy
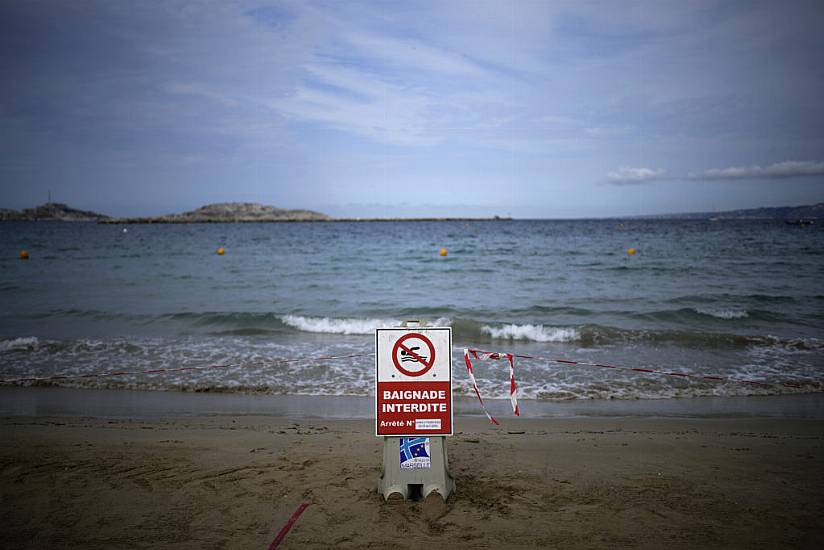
(24,254)
(443,252)
(631,251)
(220,251)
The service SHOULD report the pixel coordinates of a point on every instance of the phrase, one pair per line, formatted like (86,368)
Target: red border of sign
(399,344)
(451,403)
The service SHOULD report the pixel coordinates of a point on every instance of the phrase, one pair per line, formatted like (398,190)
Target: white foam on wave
(19,343)
(724,313)
(329,325)
(536,333)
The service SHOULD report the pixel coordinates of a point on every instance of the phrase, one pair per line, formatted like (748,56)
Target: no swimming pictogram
(409,356)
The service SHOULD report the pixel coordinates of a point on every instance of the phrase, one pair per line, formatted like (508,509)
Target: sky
(526,108)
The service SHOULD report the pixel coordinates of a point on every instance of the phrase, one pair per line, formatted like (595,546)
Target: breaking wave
(535,333)
(330,325)
(724,313)
(18,343)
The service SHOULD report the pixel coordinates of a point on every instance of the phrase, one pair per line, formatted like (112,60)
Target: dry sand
(231,481)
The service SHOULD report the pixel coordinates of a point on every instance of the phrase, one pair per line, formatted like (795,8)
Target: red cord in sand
(289,524)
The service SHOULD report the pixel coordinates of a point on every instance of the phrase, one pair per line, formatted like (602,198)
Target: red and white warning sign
(414,381)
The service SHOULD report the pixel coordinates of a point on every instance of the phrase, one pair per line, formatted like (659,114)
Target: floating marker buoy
(631,251)
(220,251)
(24,255)
(443,252)
(125,230)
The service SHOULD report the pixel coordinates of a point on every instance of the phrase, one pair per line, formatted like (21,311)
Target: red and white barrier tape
(475,386)
(491,355)
(176,369)
(481,354)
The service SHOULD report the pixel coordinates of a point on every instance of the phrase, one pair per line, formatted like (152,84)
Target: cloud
(629,176)
(410,55)
(787,169)
(362,103)
(360,99)
(779,170)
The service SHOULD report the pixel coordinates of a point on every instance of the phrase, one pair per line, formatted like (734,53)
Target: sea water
(736,299)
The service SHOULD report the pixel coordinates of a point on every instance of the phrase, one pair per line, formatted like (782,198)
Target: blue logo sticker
(414,453)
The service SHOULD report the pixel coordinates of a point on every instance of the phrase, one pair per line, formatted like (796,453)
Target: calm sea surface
(735,299)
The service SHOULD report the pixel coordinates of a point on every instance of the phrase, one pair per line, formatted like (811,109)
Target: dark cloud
(779,170)
(632,176)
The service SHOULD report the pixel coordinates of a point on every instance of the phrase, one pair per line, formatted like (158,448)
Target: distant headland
(51,211)
(786,213)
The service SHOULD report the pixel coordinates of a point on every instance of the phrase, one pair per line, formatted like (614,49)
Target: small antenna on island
(49,196)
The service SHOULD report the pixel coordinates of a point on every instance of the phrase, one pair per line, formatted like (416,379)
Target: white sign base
(410,474)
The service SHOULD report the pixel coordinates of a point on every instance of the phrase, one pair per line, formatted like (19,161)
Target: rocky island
(231,212)
(51,211)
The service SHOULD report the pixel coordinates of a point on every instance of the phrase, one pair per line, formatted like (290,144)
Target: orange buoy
(631,251)
(220,251)
(24,254)
(443,252)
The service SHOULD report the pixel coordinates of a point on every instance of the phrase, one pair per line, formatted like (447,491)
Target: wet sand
(231,480)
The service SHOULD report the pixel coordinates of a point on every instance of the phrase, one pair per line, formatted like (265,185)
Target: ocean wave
(734,298)
(591,335)
(695,328)
(792,344)
(330,325)
(25,343)
(535,333)
(251,323)
(550,311)
(723,313)
(237,319)
(595,335)
(693,316)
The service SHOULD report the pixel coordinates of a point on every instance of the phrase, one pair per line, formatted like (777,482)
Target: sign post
(413,409)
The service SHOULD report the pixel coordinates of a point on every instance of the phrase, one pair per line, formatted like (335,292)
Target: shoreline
(107,403)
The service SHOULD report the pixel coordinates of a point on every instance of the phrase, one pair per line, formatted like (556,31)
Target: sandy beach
(232,479)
